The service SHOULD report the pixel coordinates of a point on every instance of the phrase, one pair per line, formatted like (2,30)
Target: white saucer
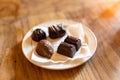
(28,48)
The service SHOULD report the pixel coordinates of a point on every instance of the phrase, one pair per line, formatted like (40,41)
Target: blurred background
(11,10)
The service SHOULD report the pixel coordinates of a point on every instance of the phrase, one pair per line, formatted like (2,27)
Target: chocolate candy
(74,41)
(38,35)
(56,31)
(61,31)
(66,49)
(44,48)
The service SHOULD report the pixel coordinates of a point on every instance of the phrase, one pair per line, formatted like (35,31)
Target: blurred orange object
(110,12)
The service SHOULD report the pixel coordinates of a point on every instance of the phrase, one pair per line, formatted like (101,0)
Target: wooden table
(101,16)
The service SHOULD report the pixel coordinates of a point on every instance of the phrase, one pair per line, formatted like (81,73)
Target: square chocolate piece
(74,41)
(66,49)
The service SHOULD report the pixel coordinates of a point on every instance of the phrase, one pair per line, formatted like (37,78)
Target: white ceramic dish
(28,48)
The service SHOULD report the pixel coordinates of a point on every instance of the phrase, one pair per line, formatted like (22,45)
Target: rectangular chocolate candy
(74,41)
(66,49)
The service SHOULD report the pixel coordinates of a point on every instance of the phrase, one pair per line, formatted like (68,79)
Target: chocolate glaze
(56,31)
(66,49)
(44,48)
(74,41)
(38,35)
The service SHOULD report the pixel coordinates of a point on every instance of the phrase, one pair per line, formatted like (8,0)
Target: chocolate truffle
(56,31)
(74,41)
(44,48)
(38,35)
(66,49)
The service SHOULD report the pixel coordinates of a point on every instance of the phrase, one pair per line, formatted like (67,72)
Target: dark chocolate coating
(66,49)
(73,41)
(38,35)
(53,32)
(44,49)
(56,31)
(62,33)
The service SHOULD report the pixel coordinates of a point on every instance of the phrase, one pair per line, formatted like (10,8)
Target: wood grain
(101,16)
